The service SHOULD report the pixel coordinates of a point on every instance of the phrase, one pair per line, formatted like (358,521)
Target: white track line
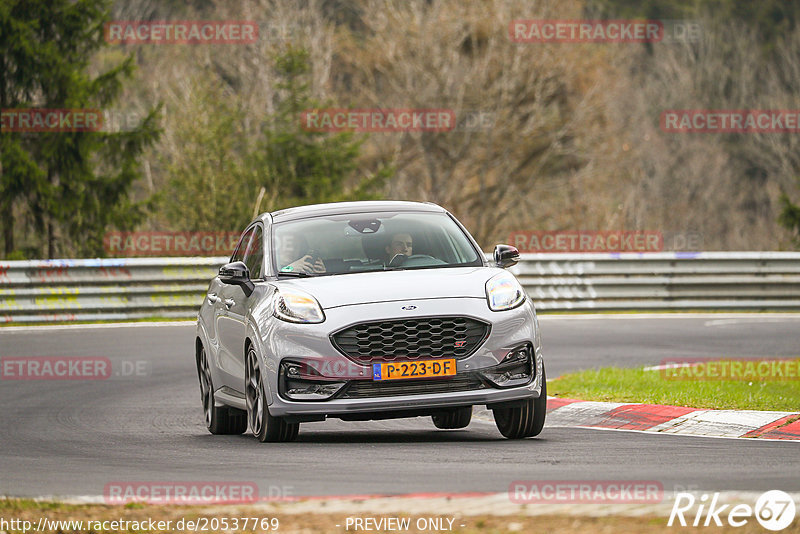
(751,440)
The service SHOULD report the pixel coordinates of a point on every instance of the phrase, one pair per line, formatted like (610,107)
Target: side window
(238,254)
(254,253)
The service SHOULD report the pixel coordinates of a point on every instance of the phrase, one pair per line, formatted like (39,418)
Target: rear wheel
(525,420)
(452,419)
(219,419)
(264,426)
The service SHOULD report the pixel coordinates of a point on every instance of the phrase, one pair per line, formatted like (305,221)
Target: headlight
(297,306)
(504,292)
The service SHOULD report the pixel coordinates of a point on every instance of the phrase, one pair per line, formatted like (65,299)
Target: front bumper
(310,343)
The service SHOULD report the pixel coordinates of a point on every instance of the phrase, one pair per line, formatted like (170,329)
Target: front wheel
(525,420)
(264,426)
(458,418)
(219,419)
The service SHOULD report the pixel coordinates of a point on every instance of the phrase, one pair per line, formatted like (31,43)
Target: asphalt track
(71,438)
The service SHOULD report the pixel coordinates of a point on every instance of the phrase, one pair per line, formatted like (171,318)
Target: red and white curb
(673,419)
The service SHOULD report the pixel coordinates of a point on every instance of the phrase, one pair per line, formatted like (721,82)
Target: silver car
(367,310)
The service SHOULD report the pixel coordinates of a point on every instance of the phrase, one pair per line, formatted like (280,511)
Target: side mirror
(237,274)
(505,256)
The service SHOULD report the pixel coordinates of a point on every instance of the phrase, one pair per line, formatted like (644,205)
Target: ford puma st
(366,310)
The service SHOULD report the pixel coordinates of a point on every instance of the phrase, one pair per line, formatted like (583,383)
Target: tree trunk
(7,216)
(51,240)
(7,209)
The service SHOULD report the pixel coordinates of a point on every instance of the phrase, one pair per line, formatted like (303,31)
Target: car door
(223,325)
(209,314)
(234,306)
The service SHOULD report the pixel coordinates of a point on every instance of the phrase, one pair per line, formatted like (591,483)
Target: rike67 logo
(774,510)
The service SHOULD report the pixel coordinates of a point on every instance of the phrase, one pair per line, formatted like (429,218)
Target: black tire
(220,420)
(453,419)
(264,426)
(525,420)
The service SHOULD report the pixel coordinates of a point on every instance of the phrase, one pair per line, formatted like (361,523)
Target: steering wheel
(401,259)
(398,260)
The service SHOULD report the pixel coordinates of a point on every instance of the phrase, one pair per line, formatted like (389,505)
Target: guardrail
(103,289)
(662,281)
(113,289)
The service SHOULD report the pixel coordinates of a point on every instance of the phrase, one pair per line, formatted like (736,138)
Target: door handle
(229,303)
(212,298)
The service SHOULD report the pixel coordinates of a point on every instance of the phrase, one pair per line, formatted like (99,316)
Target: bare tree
(458,56)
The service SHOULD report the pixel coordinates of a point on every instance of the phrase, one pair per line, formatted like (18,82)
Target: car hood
(386,286)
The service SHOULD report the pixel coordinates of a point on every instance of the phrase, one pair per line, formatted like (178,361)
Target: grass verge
(614,384)
(27,510)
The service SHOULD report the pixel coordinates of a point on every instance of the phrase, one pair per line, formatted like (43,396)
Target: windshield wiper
(298,274)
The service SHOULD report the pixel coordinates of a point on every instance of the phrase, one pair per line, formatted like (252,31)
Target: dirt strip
(475,514)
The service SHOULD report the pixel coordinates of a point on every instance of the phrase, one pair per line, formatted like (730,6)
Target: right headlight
(297,306)
(504,292)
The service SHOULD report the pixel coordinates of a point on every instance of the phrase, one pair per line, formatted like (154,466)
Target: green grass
(614,384)
(12,505)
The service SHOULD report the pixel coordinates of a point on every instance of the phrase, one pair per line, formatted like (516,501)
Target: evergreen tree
(74,184)
(21,58)
(222,176)
(302,166)
(790,218)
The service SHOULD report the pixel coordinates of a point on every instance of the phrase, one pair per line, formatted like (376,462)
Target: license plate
(405,370)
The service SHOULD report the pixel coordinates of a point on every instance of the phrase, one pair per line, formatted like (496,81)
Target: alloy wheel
(254,393)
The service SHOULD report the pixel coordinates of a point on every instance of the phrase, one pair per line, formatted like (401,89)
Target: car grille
(411,339)
(362,389)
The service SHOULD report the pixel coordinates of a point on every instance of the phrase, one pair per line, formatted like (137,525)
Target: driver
(401,243)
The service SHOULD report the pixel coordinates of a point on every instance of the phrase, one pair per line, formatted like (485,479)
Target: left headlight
(297,306)
(504,292)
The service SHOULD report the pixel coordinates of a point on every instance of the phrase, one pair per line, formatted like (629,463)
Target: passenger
(296,255)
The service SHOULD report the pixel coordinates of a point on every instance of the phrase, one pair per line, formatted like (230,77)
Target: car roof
(339,208)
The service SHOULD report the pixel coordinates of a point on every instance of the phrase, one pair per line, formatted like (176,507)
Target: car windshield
(353,243)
